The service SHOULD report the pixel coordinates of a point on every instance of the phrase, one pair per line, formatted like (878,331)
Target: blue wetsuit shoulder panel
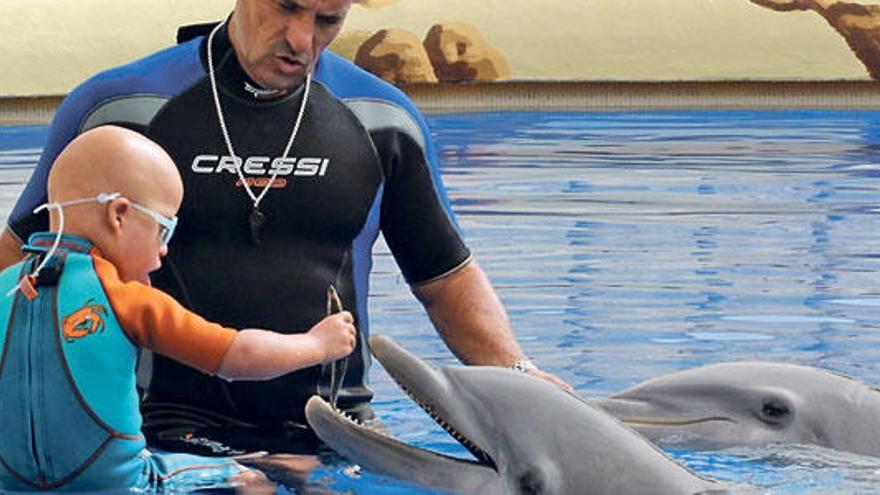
(359,89)
(146,83)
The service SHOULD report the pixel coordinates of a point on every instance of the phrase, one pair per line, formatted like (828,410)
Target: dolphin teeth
(429,409)
(346,416)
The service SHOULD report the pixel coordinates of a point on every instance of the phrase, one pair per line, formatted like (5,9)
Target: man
(288,182)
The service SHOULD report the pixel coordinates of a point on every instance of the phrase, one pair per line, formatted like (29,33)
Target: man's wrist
(523,365)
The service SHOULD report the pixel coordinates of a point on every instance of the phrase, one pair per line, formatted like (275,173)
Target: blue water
(628,245)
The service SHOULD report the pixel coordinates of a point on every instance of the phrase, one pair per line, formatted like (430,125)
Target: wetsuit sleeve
(128,96)
(416,219)
(153,319)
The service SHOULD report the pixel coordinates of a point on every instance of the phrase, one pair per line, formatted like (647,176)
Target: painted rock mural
(396,55)
(459,52)
(858,24)
(450,52)
(422,41)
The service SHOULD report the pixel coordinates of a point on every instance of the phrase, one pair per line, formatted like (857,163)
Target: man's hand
(555,380)
(470,318)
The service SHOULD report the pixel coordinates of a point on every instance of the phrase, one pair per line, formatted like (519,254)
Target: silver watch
(523,366)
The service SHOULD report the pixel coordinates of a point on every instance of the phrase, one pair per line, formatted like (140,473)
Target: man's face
(278,41)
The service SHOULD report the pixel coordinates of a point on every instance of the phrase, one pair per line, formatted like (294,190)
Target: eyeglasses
(166,224)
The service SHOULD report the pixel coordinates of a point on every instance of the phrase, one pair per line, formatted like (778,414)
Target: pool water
(632,244)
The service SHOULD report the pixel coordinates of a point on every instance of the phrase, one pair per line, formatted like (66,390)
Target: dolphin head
(527,436)
(750,403)
(470,403)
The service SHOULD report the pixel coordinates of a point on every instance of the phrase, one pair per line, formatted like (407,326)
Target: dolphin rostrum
(527,436)
(750,404)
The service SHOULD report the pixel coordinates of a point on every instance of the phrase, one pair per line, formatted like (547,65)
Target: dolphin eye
(774,411)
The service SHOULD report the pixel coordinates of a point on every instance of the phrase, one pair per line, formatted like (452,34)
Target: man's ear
(115,214)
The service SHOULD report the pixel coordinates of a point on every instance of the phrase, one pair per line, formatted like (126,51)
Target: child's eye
(163,234)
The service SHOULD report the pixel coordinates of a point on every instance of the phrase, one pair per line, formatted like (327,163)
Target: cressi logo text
(261,166)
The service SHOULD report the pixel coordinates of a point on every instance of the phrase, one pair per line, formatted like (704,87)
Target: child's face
(141,244)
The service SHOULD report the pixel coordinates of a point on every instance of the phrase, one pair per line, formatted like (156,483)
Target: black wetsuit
(361,164)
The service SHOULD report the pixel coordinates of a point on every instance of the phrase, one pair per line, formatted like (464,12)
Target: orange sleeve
(155,320)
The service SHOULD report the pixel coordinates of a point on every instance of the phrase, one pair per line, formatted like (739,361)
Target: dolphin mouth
(321,413)
(641,414)
(668,423)
(427,387)
(317,408)
(482,457)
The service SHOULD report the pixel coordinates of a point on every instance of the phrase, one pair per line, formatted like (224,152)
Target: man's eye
(328,20)
(289,7)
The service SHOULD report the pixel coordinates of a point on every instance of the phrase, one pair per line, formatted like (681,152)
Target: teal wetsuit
(69,419)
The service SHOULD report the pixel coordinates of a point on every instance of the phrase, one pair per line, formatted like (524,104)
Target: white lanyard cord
(101,198)
(55,243)
(216,94)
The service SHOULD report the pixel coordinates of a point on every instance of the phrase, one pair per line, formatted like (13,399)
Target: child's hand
(336,335)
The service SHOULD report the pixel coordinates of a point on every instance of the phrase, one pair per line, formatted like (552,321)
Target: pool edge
(577,96)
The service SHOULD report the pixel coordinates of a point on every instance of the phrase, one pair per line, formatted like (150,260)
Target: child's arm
(260,354)
(156,321)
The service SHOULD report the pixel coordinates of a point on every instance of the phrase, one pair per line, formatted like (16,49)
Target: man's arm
(10,249)
(471,320)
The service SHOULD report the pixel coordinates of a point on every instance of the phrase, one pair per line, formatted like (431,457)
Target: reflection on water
(627,245)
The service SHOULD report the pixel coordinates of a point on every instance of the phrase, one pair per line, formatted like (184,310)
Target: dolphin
(527,437)
(751,404)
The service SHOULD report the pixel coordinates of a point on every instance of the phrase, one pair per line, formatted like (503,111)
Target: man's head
(278,42)
(125,228)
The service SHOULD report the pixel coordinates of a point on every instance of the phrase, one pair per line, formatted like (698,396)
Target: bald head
(115,160)
(112,159)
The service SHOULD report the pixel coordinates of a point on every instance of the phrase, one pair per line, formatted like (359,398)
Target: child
(81,306)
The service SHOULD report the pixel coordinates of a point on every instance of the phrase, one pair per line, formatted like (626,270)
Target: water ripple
(626,245)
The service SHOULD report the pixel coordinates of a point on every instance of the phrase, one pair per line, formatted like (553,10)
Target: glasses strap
(102,198)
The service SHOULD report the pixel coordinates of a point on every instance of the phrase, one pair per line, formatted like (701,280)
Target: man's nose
(300,32)
(163,250)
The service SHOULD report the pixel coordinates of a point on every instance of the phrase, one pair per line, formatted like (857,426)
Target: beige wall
(644,40)
(50,45)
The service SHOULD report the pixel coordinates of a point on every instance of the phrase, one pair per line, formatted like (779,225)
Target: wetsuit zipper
(35,387)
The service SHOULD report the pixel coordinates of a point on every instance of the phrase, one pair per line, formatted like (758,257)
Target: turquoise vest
(69,417)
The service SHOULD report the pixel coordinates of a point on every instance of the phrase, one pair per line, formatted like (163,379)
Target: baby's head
(126,228)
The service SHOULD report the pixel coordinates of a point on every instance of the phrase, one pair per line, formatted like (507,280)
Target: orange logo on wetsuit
(84,321)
